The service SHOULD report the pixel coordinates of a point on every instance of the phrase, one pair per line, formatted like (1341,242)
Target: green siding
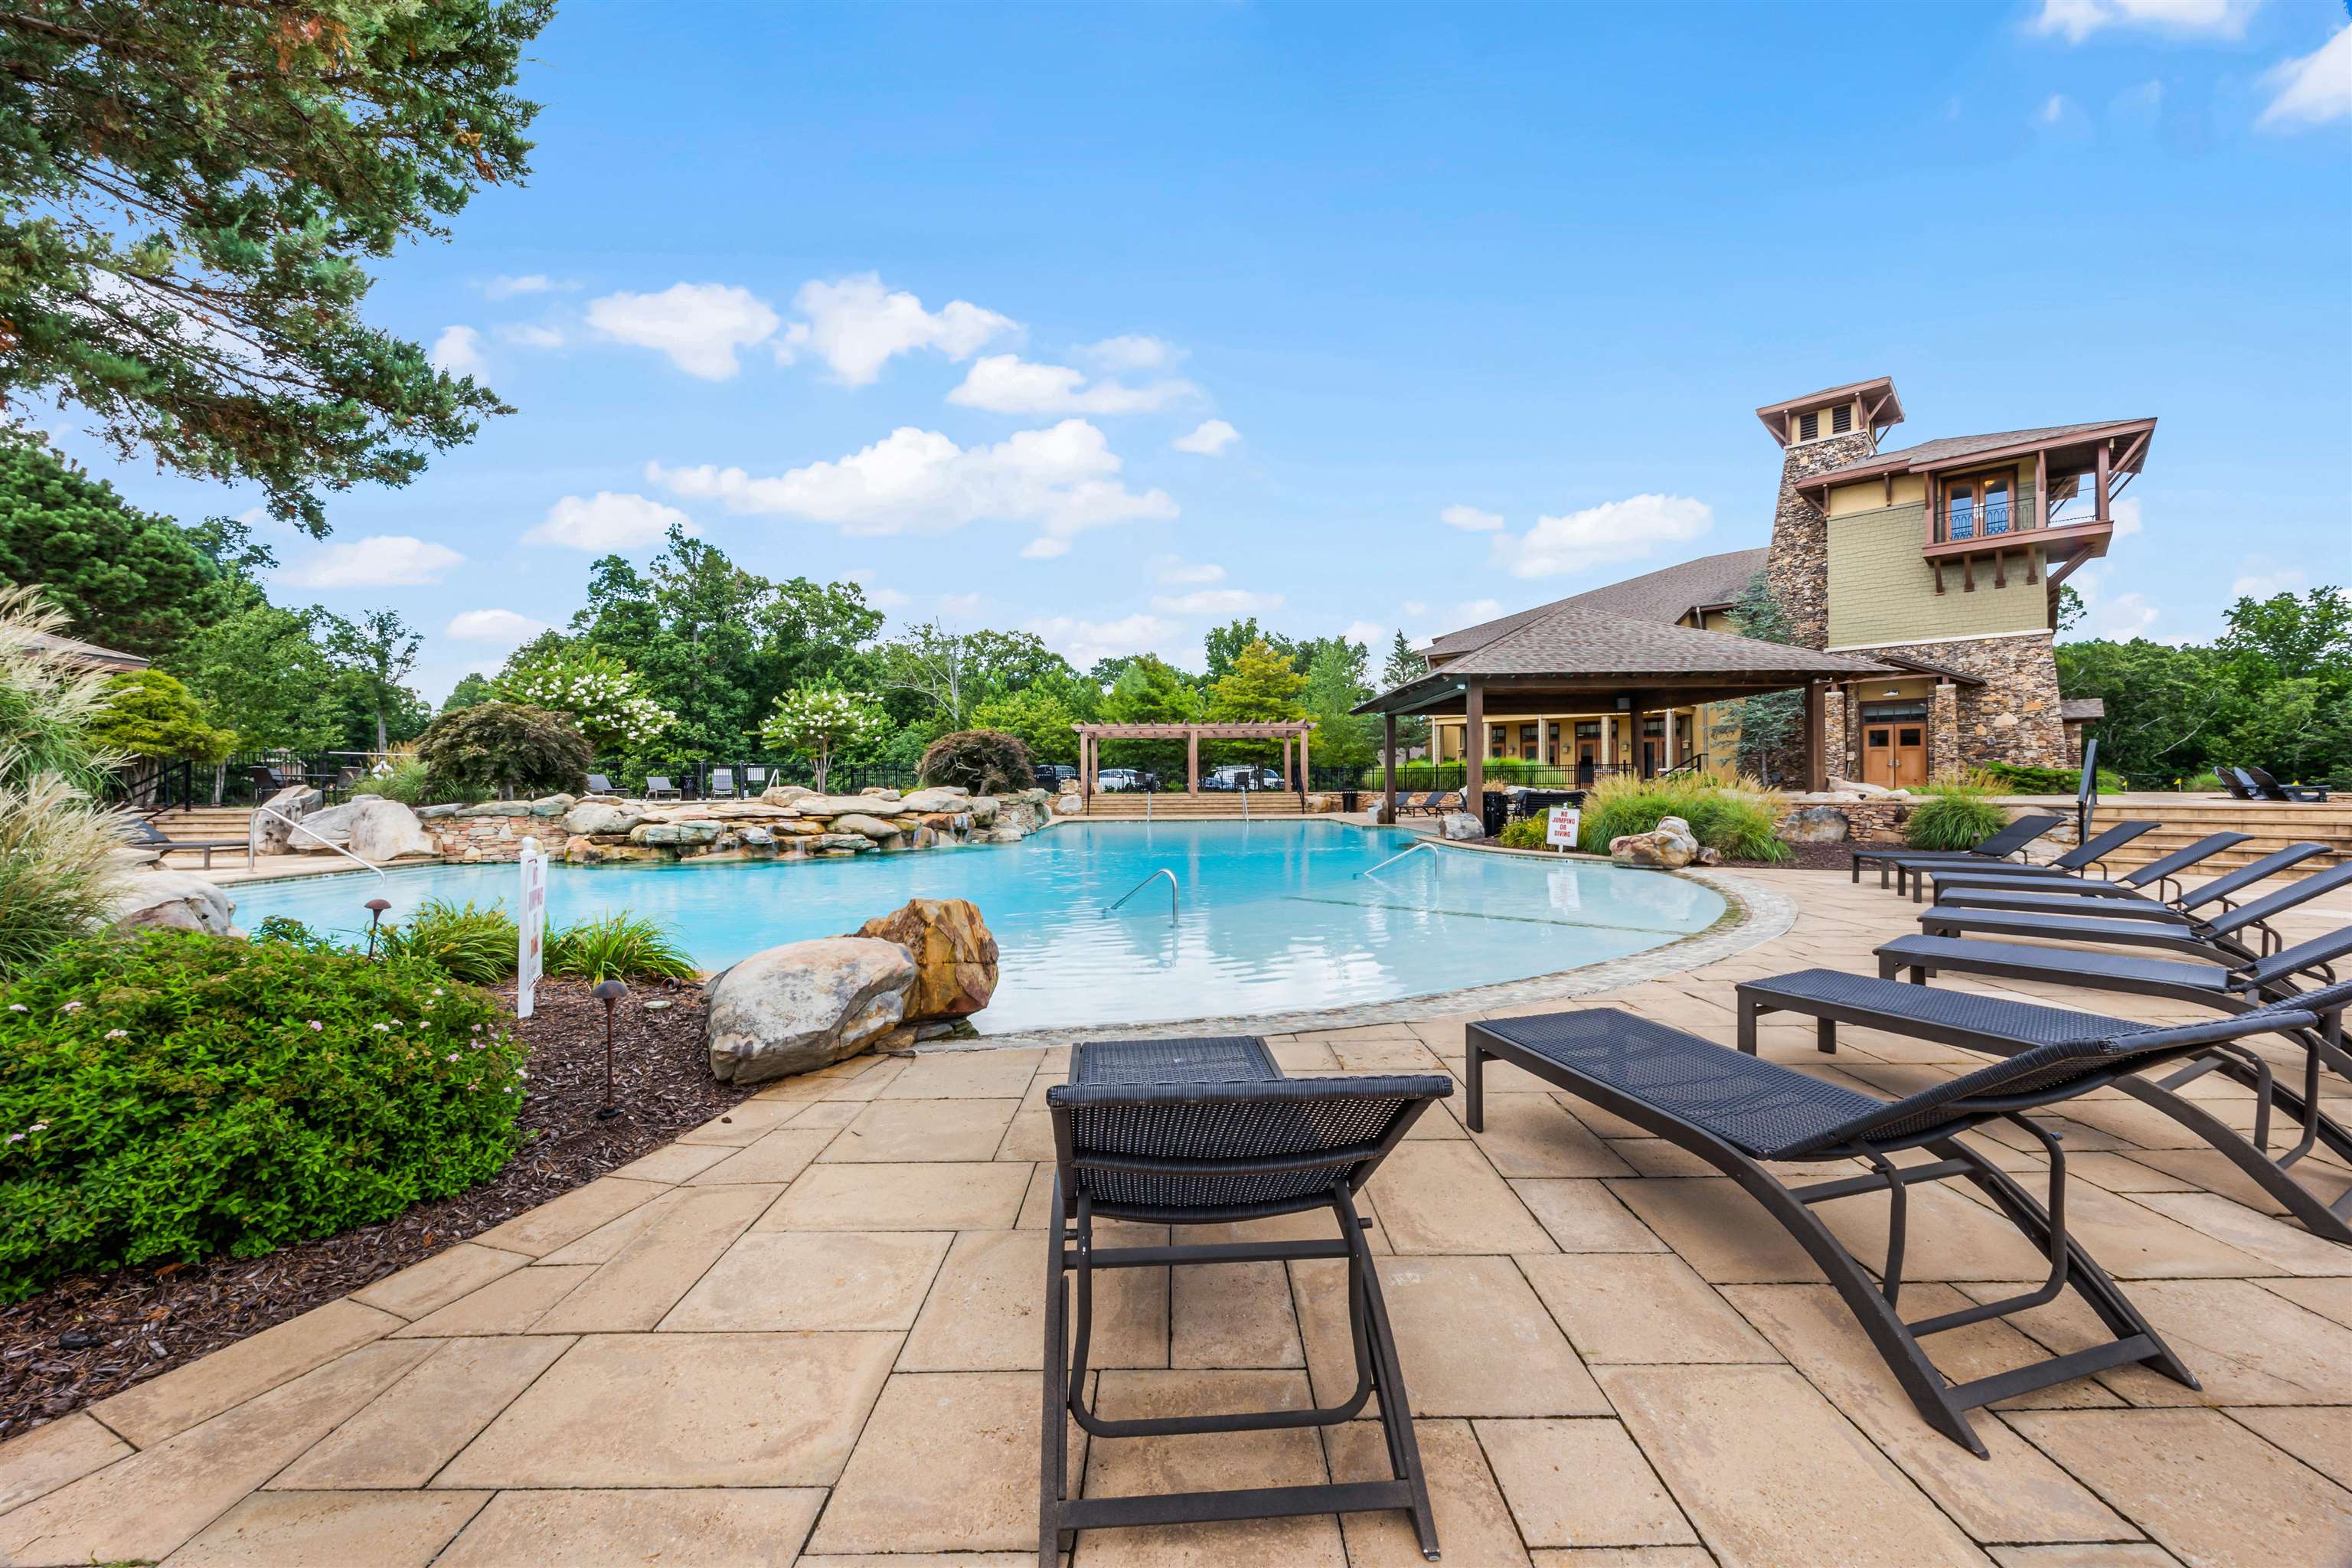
(1883,593)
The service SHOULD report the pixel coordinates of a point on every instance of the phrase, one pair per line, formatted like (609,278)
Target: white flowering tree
(601,694)
(819,722)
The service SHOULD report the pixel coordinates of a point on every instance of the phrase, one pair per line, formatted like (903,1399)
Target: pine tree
(1406,665)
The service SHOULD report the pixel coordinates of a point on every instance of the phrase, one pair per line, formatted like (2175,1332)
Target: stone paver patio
(810,1332)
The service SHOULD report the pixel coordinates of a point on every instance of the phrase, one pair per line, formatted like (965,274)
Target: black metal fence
(154,786)
(710,779)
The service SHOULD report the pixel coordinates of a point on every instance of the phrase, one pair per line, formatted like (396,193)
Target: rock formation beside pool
(1670,846)
(788,821)
(274,823)
(804,1005)
(954,955)
(369,826)
(176,900)
(1462,826)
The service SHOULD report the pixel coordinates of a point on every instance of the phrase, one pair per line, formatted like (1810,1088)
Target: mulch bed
(1802,857)
(91,1335)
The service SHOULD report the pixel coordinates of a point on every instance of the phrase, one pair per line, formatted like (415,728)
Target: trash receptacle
(1493,807)
(1348,800)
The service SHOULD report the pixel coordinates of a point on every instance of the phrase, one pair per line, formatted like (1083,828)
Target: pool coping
(1754,914)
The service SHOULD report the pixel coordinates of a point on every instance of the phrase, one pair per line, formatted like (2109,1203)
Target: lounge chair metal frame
(2270,789)
(1209,1132)
(2216,939)
(1994,846)
(1763,1112)
(2163,874)
(2000,1028)
(658,787)
(2068,867)
(2130,903)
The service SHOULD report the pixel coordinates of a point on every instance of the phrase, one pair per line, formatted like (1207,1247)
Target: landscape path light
(375,908)
(610,993)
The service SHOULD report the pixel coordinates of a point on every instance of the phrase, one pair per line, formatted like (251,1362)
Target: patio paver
(808,1332)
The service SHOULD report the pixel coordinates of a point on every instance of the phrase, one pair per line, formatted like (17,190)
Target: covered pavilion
(1286,731)
(1576,660)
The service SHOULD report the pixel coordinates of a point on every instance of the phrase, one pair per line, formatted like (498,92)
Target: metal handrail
(251,833)
(1425,844)
(1173,902)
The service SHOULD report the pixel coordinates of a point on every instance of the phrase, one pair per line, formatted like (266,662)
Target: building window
(1809,426)
(1841,419)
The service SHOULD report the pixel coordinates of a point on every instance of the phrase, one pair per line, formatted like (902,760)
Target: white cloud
(1415,607)
(2259,584)
(918,481)
(1470,519)
(1615,531)
(1474,612)
(699,325)
(1207,439)
(2078,19)
(385,561)
(508,626)
(457,351)
(2314,89)
(857,326)
(2118,619)
(1083,642)
(2053,109)
(528,283)
(963,604)
(1007,384)
(880,597)
(1216,602)
(530,335)
(1371,634)
(2124,515)
(1174,571)
(1132,352)
(605,522)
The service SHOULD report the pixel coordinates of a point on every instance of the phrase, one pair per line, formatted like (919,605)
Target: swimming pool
(1272,916)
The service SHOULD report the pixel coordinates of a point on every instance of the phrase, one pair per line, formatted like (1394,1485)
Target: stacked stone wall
(2012,717)
(1797,563)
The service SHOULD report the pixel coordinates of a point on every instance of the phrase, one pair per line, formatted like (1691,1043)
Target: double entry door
(1894,747)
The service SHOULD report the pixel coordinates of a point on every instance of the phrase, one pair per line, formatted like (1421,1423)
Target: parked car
(1127,779)
(1241,775)
(1049,775)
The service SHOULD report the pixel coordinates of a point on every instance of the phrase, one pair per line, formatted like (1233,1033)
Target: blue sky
(1114,321)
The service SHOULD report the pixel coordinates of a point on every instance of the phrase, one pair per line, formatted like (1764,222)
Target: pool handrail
(252,831)
(1173,902)
(1424,843)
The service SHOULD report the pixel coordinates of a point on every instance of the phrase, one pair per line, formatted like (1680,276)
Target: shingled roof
(1945,448)
(1581,641)
(1666,594)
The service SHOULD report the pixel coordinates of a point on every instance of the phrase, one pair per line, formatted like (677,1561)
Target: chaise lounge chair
(2000,1027)
(1742,1113)
(1208,1132)
(2130,903)
(2268,788)
(658,787)
(2160,873)
(599,784)
(2216,939)
(2069,866)
(723,783)
(2011,841)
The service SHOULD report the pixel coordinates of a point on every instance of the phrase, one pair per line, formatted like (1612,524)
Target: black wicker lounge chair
(2216,939)
(599,784)
(2069,866)
(2127,903)
(1208,1132)
(2270,788)
(658,787)
(2235,781)
(2160,874)
(722,785)
(2008,841)
(1998,1027)
(1740,1113)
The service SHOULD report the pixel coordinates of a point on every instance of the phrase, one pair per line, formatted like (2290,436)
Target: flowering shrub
(176,1095)
(821,721)
(494,748)
(601,694)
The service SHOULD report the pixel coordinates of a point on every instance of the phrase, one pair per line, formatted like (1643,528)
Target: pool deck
(810,1332)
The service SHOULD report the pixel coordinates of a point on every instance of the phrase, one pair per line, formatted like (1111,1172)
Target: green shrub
(1952,815)
(409,782)
(175,1095)
(1734,816)
(2208,782)
(497,747)
(1526,833)
(2013,778)
(982,761)
(475,946)
(620,946)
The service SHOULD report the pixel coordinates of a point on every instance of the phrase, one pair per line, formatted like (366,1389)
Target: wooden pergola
(1286,731)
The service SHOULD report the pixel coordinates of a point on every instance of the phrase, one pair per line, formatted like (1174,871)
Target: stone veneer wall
(2012,717)
(1797,563)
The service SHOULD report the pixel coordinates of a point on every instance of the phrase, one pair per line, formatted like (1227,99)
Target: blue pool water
(1273,917)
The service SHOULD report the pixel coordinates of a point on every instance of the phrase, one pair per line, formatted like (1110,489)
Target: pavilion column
(1287,774)
(1817,755)
(1387,765)
(1303,780)
(1673,739)
(1191,761)
(1543,741)
(1474,748)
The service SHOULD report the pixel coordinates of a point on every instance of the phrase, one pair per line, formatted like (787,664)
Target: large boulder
(874,827)
(936,799)
(591,818)
(804,1005)
(179,900)
(1671,847)
(675,835)
(1462,825)
(1069,805)
(1816,824)
(295,802)
(785,795)
(983,808)
(552,805)
(369,826)
(955,957)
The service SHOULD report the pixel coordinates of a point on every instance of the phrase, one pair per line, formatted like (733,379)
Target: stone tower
(1832,428)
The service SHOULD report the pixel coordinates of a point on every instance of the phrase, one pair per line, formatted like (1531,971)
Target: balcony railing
(1961,518)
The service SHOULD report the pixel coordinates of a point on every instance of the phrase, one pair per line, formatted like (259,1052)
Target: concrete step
(2270,826)
(1211,805)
